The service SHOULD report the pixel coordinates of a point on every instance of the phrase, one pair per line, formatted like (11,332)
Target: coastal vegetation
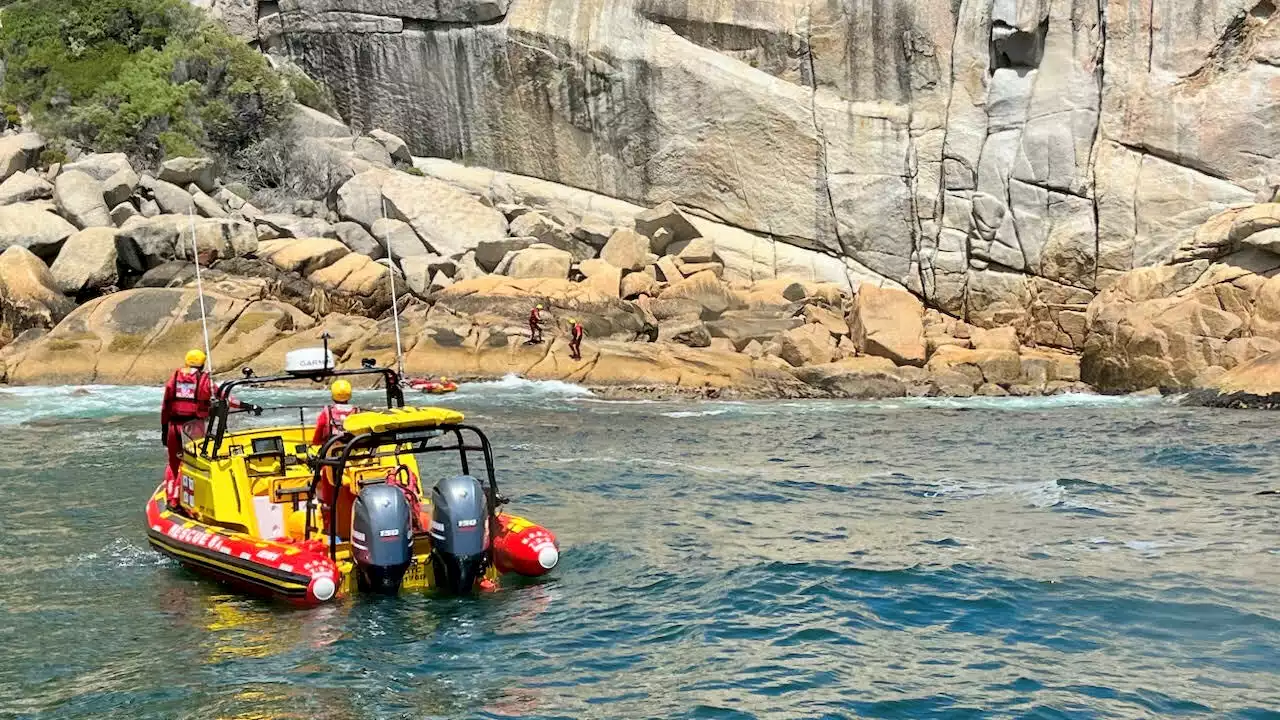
(150,78)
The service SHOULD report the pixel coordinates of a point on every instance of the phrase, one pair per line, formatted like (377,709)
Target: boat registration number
(417,576)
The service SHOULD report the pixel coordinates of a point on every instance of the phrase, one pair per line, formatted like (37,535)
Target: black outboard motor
(381,538)
(460,542)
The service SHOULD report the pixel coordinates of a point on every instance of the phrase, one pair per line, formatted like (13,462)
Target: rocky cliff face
(1004,159)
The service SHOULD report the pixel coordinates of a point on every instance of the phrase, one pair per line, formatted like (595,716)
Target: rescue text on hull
(257,508)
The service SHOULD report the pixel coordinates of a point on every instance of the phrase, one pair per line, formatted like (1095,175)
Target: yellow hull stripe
(232,569)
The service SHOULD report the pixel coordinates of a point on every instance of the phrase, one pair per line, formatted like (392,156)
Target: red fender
(523,547)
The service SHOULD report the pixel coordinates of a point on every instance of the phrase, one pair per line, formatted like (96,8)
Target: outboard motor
(460,542)
(381,538)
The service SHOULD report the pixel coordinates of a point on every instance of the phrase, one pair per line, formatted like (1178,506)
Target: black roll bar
(343,447)
(220,407)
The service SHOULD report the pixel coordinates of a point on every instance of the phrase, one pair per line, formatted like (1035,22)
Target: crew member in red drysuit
(187,397)
(575,340)
(327,425)
(535,325)
(334,414)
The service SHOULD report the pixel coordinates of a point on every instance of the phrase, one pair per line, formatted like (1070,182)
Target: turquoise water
(1049,558)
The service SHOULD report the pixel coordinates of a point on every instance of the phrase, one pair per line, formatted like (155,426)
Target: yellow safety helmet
(341,390)
(539,306)
(195,358)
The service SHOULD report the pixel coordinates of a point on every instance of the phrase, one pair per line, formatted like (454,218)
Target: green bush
(151,78)
(308,92)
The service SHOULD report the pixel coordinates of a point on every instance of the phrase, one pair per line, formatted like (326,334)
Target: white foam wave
(122,554)
(1037,494)
(27,404)
(646,462)
(512,383)
(695,413)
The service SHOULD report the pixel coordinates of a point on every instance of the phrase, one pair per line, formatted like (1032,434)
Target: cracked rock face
(1005,159)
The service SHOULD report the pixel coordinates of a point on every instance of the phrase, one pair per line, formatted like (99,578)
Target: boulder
(888,323)
(668,270)
(101,166)
(354,274)
(284,225)
(490,253)
(999,367)
(687,269)
(228,199)
(80,200)
(398,239)
(21,187)
(448,220)
(87,262)
(418,274)
(122,213)
(834,323)
(119,187)
(184,171)
(29,296)
(1255,384)
(171,199)
(592,230)
(696,251)
(1268,240)
(303,256)
(808,344)
(311,123)
(704,288)
(635,283)
(540,261)
(398,149)
(1253,220)
(148,243)
(862,378)
(604,277)
(666,217)
(33,228)
(207,206)
(19,152)
(1004,338)
(138,336)
(440,281)
(626,249)
(360,198)
(358,240)
(536,225)
(689,331)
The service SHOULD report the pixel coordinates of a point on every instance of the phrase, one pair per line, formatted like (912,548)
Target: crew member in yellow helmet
(335,413)
(327,425)
(187,399)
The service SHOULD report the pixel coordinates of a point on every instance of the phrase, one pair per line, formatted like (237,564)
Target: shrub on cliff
(152,78)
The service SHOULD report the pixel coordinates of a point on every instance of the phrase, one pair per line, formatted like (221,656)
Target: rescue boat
(250,515)
(434,387)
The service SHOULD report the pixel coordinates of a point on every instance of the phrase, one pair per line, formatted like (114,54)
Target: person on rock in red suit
(575,339)
(535,325)
(187,398)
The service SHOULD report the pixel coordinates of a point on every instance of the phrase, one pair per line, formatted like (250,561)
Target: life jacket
(534,317)
(577,331)
(186,402)
(335,415)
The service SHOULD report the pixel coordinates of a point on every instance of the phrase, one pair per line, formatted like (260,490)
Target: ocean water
(1067,557)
